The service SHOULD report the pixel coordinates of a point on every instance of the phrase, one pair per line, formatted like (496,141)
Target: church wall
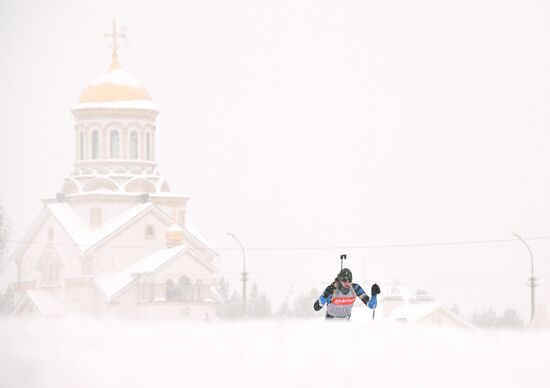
(81,297)
(184,265)
(156,306)
(136,245)
(51,257)
(109,209)
(124,306)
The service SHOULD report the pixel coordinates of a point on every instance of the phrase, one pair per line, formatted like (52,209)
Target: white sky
(313,124)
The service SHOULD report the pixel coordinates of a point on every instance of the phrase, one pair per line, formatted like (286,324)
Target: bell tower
(115,135)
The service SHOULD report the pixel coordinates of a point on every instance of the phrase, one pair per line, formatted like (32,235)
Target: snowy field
(103,354)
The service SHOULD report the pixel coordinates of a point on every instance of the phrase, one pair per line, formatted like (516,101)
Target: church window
(50,234)
(152,290)
(142,290)
(95,145)
(185,289)
(87,268)
(149,232)
(200,291)
(81,146)
(71,293)
(95,217)
(52,272)
(170,290)
(133,145)
(114,145)
(148,147)
(49,269)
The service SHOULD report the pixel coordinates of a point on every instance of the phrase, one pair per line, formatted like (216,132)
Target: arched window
(200,290)
(152,291)
(50,269)
(142,289)
(50,233)
(149,232)
(133,145)
(185,289)
(148,147)
(114,145)
(95,145)
(81,146)
(170,290)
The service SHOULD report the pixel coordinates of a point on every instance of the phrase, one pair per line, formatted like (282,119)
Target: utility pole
(244,277)
(532,280)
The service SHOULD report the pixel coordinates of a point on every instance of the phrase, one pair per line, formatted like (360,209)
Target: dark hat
(345,274)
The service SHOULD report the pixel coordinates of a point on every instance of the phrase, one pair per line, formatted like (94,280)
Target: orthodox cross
(115,35)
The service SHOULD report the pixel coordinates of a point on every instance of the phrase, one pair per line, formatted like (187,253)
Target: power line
(303,248)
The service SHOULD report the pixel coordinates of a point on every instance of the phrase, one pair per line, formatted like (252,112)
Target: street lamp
(244,275)
(532,284)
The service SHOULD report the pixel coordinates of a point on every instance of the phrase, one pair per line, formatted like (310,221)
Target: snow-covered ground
(103,354)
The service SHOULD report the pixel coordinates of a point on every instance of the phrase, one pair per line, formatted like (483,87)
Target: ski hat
(345,274)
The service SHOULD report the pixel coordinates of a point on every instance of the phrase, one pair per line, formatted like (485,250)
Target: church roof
(115,89)
(156,260)
(43,301)
(113,284)
(85,237)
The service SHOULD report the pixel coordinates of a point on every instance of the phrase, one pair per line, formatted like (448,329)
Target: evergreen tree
(230,307)
(258,304)
(303,304)
(455,310)
(488,319)
(510,319)
(222,286)
(7,298)
(485,319)
(7,302)
(233,308)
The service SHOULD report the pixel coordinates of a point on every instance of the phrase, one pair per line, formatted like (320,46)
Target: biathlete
(341,294)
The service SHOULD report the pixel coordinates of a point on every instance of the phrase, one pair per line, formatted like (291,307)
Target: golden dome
(114,85)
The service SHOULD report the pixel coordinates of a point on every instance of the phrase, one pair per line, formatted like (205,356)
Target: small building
(398,305)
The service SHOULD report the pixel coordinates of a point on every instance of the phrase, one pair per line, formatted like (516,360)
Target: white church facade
(115,241)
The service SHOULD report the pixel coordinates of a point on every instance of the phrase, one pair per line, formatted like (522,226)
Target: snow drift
(90,353)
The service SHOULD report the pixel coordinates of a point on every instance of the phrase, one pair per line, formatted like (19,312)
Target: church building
(115,241)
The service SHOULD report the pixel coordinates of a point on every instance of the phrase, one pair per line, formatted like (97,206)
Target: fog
(412,136)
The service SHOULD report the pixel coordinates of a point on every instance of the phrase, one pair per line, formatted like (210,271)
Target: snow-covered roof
(112,284)
(136,104)
(412,312)
(84,236)
(115,89)
(116,76)
(45,302)
(416,312)
(156,260)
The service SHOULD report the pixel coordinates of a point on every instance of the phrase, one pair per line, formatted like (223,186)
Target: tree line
(259,306)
